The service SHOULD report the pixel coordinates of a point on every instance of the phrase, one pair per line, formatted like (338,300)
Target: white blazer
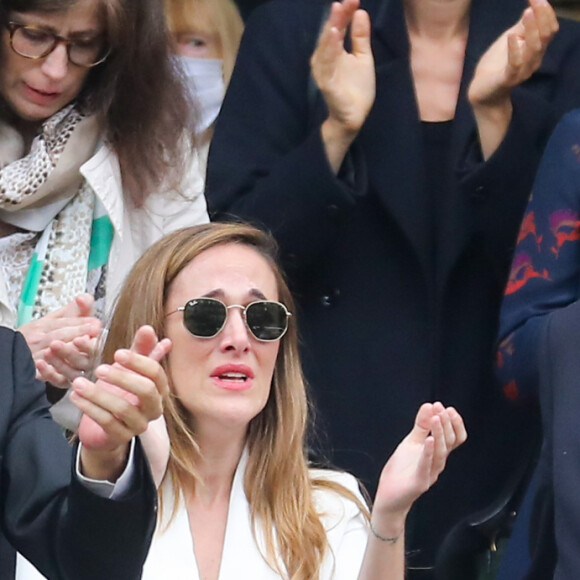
(172,556)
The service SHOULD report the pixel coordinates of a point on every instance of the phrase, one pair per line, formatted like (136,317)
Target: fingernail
(122,356)
(102,371)
(78,385)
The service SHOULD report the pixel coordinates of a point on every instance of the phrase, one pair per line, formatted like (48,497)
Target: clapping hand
(416,464)
(345,79)
(514,56)
(59,330)
(126,396)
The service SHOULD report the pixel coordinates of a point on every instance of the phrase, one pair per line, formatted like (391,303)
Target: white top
(172,556)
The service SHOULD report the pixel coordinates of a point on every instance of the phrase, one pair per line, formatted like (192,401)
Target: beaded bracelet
(383,538)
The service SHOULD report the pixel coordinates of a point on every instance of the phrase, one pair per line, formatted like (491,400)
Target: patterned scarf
(46,186)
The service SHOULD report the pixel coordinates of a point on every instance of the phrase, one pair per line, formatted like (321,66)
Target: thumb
(84,303)
(144,340)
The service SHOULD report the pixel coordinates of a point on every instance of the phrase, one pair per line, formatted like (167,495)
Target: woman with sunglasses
(239,498)
(95,163)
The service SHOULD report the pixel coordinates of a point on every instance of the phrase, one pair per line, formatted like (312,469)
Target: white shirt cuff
(104,488)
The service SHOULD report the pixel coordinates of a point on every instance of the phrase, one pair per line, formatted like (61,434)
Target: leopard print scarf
(47,183)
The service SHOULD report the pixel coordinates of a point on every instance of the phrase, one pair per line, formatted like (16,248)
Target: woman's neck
(220,459)
(437,20)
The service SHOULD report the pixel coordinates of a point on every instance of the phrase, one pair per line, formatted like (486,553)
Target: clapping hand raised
(416,464)
(126,396)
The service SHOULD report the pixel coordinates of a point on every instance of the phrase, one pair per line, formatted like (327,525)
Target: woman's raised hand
(508,62)
(63,327)
(126,396)
(416,464)
(345,79)
(515,55)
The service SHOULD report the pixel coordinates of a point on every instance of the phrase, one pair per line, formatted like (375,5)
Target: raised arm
(268,161)
(346,79)
(412,469)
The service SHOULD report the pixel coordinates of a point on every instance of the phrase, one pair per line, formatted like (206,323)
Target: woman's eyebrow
(219,293)
(86,33)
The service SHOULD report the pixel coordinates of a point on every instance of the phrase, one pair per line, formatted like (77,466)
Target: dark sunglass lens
(266,320)
(204,317)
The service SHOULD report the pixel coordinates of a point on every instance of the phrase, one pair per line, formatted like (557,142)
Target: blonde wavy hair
(213,17)
(278,483)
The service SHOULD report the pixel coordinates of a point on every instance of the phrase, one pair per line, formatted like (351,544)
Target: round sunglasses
(267,320)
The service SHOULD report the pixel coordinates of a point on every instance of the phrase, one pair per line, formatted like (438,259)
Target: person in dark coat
(555,522)
(60,524)
(397,220)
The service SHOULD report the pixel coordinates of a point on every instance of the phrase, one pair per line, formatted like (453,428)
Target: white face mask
(206,84)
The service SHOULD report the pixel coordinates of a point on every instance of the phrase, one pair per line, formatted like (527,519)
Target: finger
(115,414)
(162,349)
(458,427)
(86,345)
(546,20)
(448,430)
(324,59)
(145,367)
(144,340)
(74,308)
(63,367)
(341,14)
(48,373)
(422,425)
(531,33)
(67,329)
(69,353)
(425,464)
(142,380)
(516,47)
(441,451)
(85,304)
(361,33)
(114,431)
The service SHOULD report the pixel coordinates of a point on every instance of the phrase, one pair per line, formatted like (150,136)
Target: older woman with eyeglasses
(96,164)
(239,498)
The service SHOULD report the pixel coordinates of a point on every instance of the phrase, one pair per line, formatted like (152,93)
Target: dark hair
(137,92)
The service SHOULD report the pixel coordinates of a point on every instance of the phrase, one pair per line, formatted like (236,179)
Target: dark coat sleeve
(64,529)
(545,273)
(558,487)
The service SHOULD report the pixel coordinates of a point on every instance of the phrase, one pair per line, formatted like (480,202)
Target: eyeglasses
(267,320)
(34,42)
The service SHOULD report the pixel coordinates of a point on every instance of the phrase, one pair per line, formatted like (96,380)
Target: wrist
(337,140)
(104,465)
(495,108)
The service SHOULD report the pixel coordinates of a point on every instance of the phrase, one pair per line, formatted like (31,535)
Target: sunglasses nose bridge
(239,323)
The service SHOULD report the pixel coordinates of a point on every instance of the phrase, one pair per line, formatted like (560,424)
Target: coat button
(330,299)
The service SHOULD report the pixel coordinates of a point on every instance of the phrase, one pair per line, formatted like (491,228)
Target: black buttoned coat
(388,320)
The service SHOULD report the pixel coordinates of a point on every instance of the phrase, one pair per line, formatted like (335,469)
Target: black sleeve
(60,526)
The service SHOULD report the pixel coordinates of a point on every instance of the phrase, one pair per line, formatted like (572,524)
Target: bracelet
(383,538)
